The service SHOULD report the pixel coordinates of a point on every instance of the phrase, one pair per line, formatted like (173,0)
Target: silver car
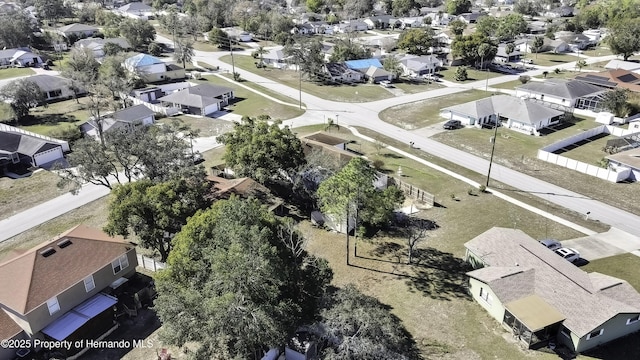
(551,244)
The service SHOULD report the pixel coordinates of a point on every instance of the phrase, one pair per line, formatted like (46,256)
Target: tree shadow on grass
(392,155)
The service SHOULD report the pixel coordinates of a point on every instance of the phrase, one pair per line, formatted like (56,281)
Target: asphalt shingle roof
(507,106)
(562,88)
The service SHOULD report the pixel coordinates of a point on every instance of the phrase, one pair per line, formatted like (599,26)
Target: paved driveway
(610,243)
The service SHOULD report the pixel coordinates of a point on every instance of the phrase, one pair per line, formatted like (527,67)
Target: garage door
(48,156)
(210,109)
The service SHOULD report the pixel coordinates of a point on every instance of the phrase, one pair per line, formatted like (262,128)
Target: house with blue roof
(372,69)
(152,69)
(363,64)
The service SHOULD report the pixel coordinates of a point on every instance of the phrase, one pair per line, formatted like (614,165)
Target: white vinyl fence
(609,174)
(164,110)
(149,263)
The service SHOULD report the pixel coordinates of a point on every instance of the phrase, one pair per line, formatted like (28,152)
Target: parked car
(551,244)
(452,125)
(386,83)
(568,254)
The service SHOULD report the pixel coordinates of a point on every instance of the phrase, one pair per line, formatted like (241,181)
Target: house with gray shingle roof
(541,297)
(20,147)
(420,65)
(566,93)
(516,113)
(203,99)
(78,30)
(126,118)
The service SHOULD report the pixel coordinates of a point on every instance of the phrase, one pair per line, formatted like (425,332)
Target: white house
(202,99)
(96,45)
(56,87)
(18,57)
(152,69)
(563,92)
(540,297)
(515,113)
(419,65)
(136,10)
(616,64)
(126,118)
(18,146)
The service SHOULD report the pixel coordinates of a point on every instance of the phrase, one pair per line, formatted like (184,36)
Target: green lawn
(410,87)
(15,72)
(268,92)
(426,112)
(589,151)
(248,103)
(16,195)
(54,117)
(509,85)
(344,93)
(472,74)
(598,51)
(564,74)
(551,59)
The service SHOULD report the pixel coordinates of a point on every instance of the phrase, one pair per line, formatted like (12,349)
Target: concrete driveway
(610,243)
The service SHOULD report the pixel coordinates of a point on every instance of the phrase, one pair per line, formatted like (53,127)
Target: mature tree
(115,77)
(357,8)
(357,326)
(624,37)
(23,95)
(402,7)
(484,51)
(155,153)
(509,48)
(351,194)
(156,211)
(239,275)
(392,65)
(527,7)
(112,49)
(16,30)
(50,10)
(510,26)
(466,47)
(457,26)
(417,41)
(314,6)
(219,38)
(345,50)
(170,22)
(487,25)
(139,33)
(307,54)
(461,74)
(183,52)
(415,231)
(154,49)
(615,101)
(537,45)
(457,7)
(261,151)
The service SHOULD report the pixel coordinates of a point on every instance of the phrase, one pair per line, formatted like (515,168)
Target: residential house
(246,188)
(439,18)
(96,45)
(238,34)
(575,41)
(420,65)
(471,18)
(537,27)
(9,330)
(203,99)
(376,74)
(303,29)
(339,72)
(628,159)
(276,58)
(350,26)
(411,22)
(378,21)
(22,148)
(616,64)
(443,41)
(594,35)
(136,10)
(555,46)
(152,69)
(56,87)
(371,68)
(321,28)
(56,290)
(503,57)
(565,93)
(612,79)
(561,11)
(19,57)
(541,297)
(79,31)
(126,118)
(515,113)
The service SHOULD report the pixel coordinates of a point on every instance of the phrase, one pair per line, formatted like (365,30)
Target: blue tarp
(363,64)
(65,325)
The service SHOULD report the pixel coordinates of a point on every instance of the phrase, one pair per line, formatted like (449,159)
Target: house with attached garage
(78,30)
(137,115)
(202,99)
(23,148)
(420,65)
(56,87)
(371,68)
(96,45)
(515,113)
(563,94)
(341,73)
(136,10)
(540,297)
(18,57)
(64,289)
(152,69)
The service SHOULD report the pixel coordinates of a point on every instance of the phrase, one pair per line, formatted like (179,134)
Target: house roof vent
(64,243)
(48,252)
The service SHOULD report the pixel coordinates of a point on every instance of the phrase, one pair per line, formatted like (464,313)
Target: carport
(532,320)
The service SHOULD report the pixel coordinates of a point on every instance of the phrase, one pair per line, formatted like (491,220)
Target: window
(121,263)
(633,320)
(595,334)
(484,294)
(89,284)
(53,305)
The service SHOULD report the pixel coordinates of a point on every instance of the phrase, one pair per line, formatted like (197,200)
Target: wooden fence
(413,192)
(150,263)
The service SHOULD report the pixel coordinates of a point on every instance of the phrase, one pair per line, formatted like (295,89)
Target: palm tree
(261,51)
(509,49)
(483,50)
(183,52)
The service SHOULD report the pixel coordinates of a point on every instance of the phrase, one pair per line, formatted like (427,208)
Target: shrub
(524,78)
(482,188)
(378,164)
(461,74)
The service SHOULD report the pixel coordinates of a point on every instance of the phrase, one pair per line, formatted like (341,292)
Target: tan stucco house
(541,297)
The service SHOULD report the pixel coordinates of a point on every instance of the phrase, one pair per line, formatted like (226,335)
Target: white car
(386,83)
(568,254)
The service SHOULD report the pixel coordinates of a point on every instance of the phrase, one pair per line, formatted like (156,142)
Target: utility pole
(493,148)
(299,87)
(233,64)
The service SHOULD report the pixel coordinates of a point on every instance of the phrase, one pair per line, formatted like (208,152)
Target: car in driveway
(551,244)
(568,254)
(452,125)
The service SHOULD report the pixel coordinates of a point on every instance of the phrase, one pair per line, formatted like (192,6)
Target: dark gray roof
(562,88)
(23,143)
(133,113)
(93,43)
(50,83)
(507,106)
(197,96)
(76,28)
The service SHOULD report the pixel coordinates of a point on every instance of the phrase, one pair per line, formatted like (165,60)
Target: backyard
(52,118)
(344,93)
(551,59)
(19,194)
(423,113)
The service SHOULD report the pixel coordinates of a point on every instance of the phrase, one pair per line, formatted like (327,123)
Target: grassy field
(345,93)
(56,116)
(472,74)
(598,51)
(248,103)
(551,59)
(426,112)
(18,194)
(518,151)
(268,92)
(205,126)
(416,87)
(9,73)
(588,151)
